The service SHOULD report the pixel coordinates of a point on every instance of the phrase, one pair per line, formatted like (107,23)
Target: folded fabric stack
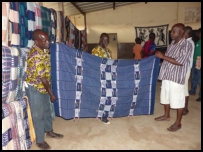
(16,114)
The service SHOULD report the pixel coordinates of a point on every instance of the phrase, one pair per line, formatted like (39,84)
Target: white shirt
(193,49)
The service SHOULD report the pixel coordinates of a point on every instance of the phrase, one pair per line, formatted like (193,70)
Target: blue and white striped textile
(89,86)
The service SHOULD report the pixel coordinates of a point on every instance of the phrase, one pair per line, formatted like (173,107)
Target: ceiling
(87,7)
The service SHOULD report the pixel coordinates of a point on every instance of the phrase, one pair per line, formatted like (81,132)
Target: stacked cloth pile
(17,127)
(89,86)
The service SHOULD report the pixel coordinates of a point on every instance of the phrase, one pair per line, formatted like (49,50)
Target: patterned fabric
(104,87)
(6,71)
(77,38)
(38,66)
(31,22)
(83,40)
(23,24)
(71,41)
(13,75)
(109,91)
(53,25)
(38,18)
(161,32)
(79,78)
(5,25)
(60,27)
(14,20)
(10,137)
(46,20)
(137,81)
(14,116)
(67,26)
(99,51)
(181,52)
(149,47)
(20,91)
(23,103)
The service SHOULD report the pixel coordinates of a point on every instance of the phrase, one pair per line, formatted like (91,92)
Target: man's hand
(53,98)
(159,54)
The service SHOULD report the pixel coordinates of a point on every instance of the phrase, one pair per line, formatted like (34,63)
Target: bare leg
(166,115)
(177,124)
(185,111)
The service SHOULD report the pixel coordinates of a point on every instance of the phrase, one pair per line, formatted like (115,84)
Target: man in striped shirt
(172,73)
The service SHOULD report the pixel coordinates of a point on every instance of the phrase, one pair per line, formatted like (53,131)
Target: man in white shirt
(188,37)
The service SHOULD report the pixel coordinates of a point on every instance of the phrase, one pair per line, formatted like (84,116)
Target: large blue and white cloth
(89,86)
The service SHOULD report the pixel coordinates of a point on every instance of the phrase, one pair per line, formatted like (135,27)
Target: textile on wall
(5,25)
(14,21)
(89,86)
(15,126)
(46,20)
(23,24)
(38,18)
(31,22)
(161,34)
(53,25)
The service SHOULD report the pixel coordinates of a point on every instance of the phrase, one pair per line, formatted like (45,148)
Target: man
(137,49)
(196,68)
(149,46)
(102,51)
(188,37)
(38,88)
(172,74)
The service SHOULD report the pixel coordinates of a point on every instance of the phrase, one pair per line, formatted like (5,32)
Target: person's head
(104,40)
(152,36)
(198,34)
(138,40)
(41,39)
(188,32)
(177,31)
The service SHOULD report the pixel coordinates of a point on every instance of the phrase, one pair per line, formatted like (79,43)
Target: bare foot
(162,118)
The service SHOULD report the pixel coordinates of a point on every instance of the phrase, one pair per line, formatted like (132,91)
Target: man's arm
(169,59)
(48,88)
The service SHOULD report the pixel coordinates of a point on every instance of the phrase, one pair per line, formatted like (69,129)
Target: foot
(185,111)
(162,118)
(199,99)
(43,145)
(174,127)
(105,120)
(54,135)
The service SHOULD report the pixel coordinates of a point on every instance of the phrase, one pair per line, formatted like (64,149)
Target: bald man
(173,71)
(38,90)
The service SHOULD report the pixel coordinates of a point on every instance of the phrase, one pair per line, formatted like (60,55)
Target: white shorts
(186,83)
(172,93)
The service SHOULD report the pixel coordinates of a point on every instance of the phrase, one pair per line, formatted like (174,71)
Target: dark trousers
(41,112)
(195,80)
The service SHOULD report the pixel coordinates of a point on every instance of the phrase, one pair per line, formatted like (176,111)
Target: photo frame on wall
(161,34)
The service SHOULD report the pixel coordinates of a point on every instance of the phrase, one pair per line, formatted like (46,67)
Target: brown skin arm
(48,88)
(169,59)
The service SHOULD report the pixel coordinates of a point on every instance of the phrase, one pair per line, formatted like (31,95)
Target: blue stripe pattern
(109,88)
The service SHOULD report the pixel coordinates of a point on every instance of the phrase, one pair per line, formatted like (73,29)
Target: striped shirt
(181,52)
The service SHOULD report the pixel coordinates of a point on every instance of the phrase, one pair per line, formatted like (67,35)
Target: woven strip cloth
(89,86)
(15,126)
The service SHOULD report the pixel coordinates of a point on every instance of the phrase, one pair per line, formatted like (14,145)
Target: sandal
(43,145)
(162,118)
(174,127)
(54,135)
